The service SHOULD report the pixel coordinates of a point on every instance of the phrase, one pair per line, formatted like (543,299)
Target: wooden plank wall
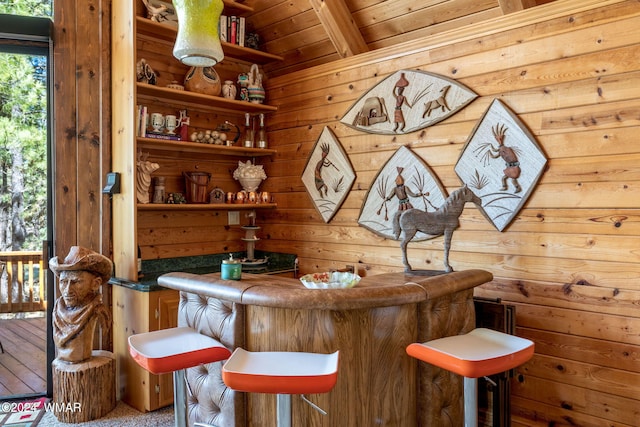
(569,262)
(81,132)
(81,128)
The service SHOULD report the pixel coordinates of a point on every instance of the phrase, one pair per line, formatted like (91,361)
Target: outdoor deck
(23,363)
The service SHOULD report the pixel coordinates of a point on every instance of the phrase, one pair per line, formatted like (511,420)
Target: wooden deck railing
(22,284)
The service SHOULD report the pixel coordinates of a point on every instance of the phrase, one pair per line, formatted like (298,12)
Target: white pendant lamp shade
(198,41)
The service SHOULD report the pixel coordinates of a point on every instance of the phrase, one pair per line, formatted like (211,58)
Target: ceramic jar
(229,90)
(203,80)
(158,190)
(255,90)
(243,82)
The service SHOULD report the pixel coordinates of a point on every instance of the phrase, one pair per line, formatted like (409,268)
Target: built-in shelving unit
(135,37)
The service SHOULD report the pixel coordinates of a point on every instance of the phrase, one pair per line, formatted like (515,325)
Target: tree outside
(26,7)
(23,150)
(23,139)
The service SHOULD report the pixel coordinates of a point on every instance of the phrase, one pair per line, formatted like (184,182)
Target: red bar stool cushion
(280,372)
(479,353)
(169,350)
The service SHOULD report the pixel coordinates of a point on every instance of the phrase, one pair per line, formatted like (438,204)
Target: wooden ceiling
(313,32)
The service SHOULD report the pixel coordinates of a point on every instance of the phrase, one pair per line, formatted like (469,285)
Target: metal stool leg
(284,410)
(179,398)
(470,402)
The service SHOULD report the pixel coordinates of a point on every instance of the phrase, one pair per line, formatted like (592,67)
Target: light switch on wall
(233,217)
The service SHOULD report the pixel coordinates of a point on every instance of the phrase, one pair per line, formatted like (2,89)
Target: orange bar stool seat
(282,373)
(174,350)
(479,353)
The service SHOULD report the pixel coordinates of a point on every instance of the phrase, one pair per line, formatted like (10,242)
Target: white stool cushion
(479,353)
(169,350)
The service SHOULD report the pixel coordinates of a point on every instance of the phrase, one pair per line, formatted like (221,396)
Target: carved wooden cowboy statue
(80,375)
(79,308)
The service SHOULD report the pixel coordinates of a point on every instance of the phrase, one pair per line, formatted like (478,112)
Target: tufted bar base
(209,401)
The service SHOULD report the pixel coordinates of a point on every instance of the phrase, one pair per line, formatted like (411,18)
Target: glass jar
(231,268)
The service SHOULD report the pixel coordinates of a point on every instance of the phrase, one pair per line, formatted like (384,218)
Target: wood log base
(84,391)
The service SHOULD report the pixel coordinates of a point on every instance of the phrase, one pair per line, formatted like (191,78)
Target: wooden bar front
(371,325)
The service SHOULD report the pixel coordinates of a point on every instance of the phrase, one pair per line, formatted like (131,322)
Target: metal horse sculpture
(443,221)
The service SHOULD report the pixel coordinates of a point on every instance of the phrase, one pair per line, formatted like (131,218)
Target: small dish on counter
(330,280)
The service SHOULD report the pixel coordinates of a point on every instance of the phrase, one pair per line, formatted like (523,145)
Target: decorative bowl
(330,280)
(250,184)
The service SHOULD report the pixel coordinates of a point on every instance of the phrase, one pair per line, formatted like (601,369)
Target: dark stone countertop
(206,264)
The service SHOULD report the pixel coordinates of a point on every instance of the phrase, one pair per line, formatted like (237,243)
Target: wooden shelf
(187,147)
(236,7)
(205,206)
(182,98)
(168,33)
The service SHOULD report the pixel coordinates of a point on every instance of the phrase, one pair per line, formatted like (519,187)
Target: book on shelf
(223,28)
(142,120)
(164,136)
(241,30)
(232,29)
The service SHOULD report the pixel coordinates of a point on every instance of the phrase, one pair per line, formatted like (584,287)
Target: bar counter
(371,324)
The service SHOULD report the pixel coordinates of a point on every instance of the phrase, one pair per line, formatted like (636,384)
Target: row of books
(232,29)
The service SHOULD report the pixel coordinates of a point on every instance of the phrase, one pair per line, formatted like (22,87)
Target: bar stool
(479,353)
(281,373)
(174,350)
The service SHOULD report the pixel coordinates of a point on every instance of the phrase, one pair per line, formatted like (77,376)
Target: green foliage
(23,142)
(26,7)
(22,94)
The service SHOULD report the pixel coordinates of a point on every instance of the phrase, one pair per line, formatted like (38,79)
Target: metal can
(231,268)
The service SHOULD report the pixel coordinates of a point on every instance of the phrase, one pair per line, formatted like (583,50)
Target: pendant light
(198,41)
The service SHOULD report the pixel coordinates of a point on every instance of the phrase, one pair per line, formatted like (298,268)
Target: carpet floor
(123,415)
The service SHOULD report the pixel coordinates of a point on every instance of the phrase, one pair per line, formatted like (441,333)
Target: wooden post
(84,391)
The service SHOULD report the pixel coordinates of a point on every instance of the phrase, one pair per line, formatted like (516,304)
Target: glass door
(25,205)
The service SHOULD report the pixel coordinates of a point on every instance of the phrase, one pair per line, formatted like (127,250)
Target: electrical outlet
(233,217)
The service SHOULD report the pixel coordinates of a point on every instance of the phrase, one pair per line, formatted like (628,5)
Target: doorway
(25,206)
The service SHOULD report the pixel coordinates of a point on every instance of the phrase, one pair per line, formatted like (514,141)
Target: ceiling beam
(509,6)
(342,30)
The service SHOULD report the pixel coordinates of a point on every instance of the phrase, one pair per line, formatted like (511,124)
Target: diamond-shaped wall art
(501,163)
(328,175)
(404,179)
(407,101)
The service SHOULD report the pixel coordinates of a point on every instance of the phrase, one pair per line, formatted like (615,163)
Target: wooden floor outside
(23,363)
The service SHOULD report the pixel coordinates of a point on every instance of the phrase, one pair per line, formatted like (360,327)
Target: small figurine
(144,73)
(243,82)
(143,177)
(443,221)
(252,41)
(155,13)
